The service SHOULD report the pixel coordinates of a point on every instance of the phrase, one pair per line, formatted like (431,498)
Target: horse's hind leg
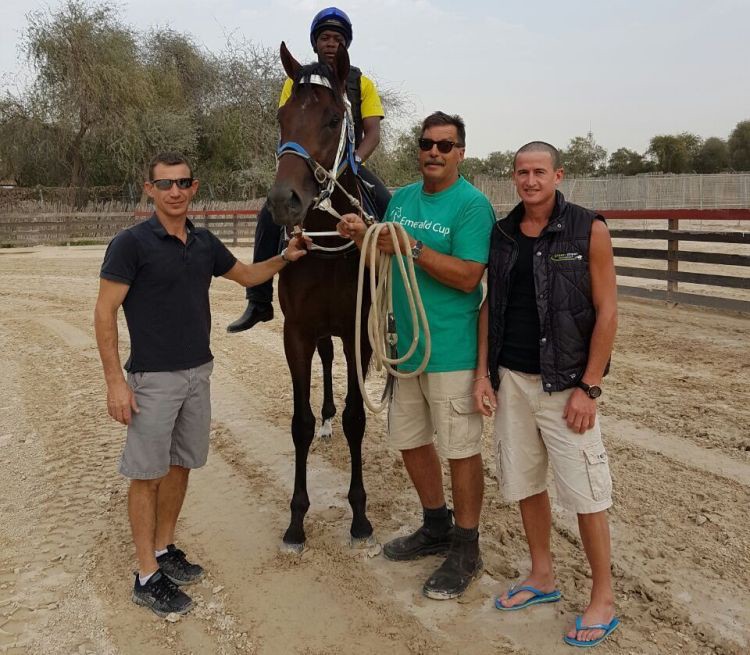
(353,420)
(328,411)
(299,352)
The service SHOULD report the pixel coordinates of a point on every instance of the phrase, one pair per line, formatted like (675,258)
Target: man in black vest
(330,28)
(546,332)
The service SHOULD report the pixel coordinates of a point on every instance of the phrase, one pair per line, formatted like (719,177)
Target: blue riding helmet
(331,18)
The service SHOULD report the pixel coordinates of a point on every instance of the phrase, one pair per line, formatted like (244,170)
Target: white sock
(159,553)
(143,579)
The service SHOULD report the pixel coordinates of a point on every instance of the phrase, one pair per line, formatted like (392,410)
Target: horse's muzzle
(285,205)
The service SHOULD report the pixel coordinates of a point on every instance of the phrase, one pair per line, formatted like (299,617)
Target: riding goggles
(444,146)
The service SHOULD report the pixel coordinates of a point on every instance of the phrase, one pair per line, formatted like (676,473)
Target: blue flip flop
(608,628)
(536,599)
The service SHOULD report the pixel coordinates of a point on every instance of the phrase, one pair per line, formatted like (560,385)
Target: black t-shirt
(167,308)
(520,350)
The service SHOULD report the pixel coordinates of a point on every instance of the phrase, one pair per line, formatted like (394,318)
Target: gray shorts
(173,424)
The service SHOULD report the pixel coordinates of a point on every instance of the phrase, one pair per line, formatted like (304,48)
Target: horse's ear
(290,64)
(341,63)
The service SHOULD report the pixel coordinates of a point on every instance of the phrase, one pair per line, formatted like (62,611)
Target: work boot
(161,595)
(256,312)
(175,566)
(462,565)
(432,538)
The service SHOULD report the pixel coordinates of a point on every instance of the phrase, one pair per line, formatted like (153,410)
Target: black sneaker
(418,544)
(462,565)
(161,596)
(176,567)
(256,312)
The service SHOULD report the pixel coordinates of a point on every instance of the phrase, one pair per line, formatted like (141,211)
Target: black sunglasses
(166,185)
(444,146)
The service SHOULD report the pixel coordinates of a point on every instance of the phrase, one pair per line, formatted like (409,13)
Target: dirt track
(676,412)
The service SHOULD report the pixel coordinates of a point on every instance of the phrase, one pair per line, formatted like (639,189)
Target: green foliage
(739,146)
(713,157)
(675,153)
(583,157)
(627,162)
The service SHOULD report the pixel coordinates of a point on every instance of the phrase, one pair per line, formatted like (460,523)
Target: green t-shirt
(456,222)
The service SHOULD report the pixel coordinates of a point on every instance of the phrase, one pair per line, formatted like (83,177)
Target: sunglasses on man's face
(444,146)
(165,185)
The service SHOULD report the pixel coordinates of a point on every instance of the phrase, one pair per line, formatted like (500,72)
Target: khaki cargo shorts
(530,433)
(173,424)
(436,404)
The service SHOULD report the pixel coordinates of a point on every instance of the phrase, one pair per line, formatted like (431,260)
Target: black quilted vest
(563,291)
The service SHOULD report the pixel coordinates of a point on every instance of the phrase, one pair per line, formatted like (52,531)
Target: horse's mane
(317,68)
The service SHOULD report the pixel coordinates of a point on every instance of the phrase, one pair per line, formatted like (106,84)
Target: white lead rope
(380,324)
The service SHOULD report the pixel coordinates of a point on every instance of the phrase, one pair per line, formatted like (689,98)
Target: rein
(328,180)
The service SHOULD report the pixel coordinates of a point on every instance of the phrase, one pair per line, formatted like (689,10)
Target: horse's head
(310,126)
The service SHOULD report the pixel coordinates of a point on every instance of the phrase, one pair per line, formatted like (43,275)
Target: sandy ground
(676,412)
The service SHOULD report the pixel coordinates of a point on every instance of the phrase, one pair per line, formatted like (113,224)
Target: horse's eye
(334,122)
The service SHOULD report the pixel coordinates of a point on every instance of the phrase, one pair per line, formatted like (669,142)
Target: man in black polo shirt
(160,272)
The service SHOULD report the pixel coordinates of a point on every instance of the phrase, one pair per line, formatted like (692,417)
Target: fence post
(673,245)
(235,236)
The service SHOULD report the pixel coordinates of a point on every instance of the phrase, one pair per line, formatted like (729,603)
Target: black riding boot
(462,565)
(256,312)
(432,538)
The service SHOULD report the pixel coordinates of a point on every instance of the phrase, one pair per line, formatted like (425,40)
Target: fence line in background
(237,227)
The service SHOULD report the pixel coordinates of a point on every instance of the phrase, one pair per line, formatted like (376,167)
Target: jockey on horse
(330,28)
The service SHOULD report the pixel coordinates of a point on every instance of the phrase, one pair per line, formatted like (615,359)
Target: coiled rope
(381,327)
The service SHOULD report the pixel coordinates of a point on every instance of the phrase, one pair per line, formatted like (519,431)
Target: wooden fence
(722,276)
(673,274)
(235,227)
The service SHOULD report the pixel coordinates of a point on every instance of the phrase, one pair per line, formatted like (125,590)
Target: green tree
(583,157)
(713,157)
(675,153)
(739,146)
(89,79)
(499,164)
(627,162)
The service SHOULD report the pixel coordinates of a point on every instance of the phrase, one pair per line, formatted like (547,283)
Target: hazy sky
(516,71)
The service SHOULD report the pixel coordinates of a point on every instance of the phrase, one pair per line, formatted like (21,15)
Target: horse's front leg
(354,420)
(328,411)
(299,349)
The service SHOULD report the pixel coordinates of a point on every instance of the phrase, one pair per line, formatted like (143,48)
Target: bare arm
(484,394)
(580,411)
(371,138)
(451,271)
(120,399)
(249,275)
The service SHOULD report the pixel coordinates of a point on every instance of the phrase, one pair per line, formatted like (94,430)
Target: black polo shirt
(166,308)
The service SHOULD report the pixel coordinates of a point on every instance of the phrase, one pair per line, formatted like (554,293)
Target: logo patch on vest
(566,257)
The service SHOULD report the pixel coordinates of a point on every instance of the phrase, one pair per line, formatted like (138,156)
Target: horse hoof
(370,545)
(291,549)
(325,431)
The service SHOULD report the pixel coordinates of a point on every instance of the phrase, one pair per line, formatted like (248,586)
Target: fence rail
(734,277)
(726,250)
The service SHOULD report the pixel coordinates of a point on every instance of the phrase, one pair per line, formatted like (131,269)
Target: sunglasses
(165,185)
(444,146)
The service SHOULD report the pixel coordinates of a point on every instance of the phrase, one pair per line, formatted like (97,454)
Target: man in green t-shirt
(449,222)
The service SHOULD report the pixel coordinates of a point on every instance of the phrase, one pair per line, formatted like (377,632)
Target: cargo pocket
(465,425)
(597,467)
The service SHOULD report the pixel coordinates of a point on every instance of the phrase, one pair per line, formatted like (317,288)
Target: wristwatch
(592,391)
(284,257)
(416,249)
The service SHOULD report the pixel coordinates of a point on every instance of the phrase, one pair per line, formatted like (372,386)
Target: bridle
(328,180)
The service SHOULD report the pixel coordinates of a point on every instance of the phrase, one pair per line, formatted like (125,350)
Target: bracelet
(284,258)
(484,377)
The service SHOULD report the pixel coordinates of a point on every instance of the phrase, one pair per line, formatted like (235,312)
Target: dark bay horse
(318,293)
